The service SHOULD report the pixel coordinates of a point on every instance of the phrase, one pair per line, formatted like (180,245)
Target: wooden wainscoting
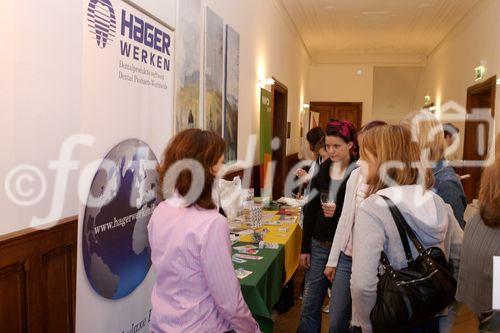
(38,279)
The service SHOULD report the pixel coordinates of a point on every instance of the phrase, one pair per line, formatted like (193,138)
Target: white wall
(163,10)
(42,84)
(40,94)
(269,46)
(450,67)
(394,90)
(341,83)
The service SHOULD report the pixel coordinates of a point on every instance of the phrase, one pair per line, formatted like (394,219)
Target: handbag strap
(404,229)
(402,233)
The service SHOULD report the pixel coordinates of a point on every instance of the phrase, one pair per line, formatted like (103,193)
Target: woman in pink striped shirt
(196,288)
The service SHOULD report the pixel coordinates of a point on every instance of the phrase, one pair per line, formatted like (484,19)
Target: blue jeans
(446,322)
(314,290)
(340,302)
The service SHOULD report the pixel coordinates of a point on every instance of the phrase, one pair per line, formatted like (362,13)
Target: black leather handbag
(415,294)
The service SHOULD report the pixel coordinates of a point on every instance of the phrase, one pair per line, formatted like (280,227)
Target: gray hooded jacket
(374,231)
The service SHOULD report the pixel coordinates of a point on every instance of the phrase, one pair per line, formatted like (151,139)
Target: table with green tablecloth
(261,289)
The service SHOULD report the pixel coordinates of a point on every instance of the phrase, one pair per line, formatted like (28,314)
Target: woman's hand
(328,209)
(305,260)
(330,273)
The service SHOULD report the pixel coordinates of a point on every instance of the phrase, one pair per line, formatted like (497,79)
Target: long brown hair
(204,147)
(394,143)
(489,192)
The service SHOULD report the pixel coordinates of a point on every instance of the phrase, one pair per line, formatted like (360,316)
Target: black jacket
(315,223)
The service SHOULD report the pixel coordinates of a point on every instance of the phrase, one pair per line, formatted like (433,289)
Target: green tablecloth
(261,289)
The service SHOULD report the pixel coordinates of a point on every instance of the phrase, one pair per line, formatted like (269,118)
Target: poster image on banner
(122,197)
(188,63)
(214,34)
(127,91)
(232,68)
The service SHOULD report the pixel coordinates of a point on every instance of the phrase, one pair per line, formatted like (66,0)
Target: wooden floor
(289,321)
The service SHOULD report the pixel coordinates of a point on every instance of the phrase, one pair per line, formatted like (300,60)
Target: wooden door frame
(488,85)
(282,89)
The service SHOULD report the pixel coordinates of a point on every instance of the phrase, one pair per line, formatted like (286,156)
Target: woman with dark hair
(321,215)
(196,289)
(316,139)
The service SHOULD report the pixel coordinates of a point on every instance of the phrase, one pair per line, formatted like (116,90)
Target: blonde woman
(390,164)
(338,267)
(481,243)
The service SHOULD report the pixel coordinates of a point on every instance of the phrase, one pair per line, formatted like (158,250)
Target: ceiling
(338,28)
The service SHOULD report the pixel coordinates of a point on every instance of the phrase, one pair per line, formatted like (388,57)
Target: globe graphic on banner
(122,197)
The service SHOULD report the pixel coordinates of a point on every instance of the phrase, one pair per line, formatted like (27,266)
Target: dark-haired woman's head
(341,141)
(316,139)
(199,150)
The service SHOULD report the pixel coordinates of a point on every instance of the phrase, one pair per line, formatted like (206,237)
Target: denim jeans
(340,302)
(446,322)
(315,290)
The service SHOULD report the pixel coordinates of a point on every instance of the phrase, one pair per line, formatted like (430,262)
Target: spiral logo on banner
(101,21)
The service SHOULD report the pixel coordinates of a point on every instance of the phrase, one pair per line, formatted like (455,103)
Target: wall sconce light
(498,81)
(427,99)
(266,82)
(305,106)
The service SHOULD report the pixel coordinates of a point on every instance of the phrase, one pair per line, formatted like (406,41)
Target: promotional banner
(126,121)
(266,136)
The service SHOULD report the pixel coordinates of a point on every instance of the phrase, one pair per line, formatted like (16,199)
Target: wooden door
(476,138)
(338,110)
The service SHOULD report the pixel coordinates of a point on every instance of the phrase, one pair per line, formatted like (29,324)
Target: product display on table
(238,260)
(248,251)
(247,256)
(266,245)
(252,215)
(242,273)
(245,247)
